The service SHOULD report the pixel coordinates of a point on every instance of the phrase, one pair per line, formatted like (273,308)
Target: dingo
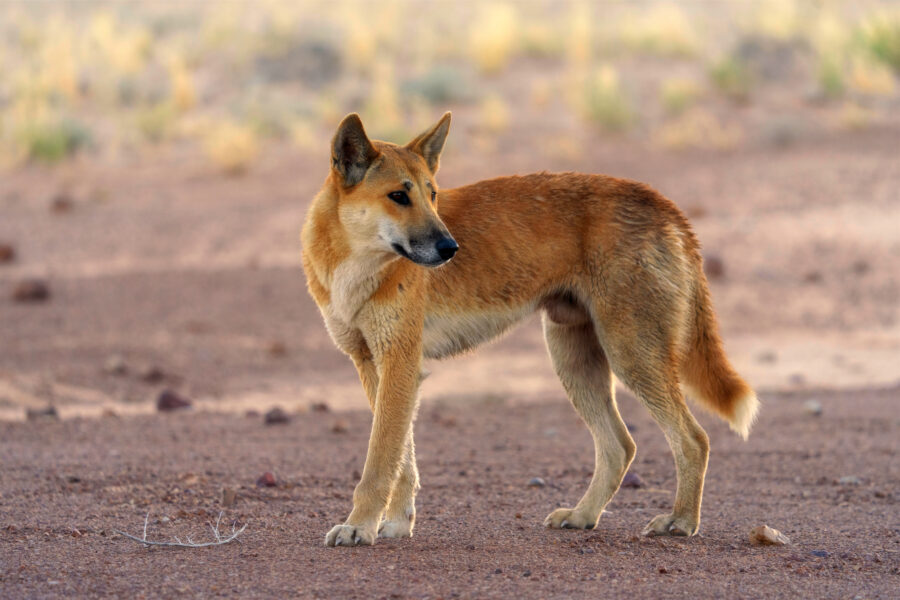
(612,264)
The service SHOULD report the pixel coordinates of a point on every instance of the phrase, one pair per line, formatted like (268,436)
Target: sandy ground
(177,268)
(67,485)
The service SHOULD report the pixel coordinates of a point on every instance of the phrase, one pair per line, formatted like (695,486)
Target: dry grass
(103,75)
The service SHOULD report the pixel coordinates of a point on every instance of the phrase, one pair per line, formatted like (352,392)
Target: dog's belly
(452,333)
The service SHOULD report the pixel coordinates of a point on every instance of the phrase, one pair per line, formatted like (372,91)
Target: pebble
(277,349)
(819,553)
(813,408)
(33,414)
(229,497)
(31,290)
(536,482)
(850,480)
(168,401)
(813,277)
(319,407)
(151,374)
(276,416)
(632,480)
(115,365)
(767,357)
(797,379)
(714,267)
(7,253)
(267,479)
(339,427)
(766,536)
(61,203)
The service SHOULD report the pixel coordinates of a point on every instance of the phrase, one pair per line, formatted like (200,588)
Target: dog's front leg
(398,357)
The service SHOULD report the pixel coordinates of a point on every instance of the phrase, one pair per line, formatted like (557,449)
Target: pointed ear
(351,150)
(430,143)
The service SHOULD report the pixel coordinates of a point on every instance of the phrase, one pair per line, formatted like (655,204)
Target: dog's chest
(447,334)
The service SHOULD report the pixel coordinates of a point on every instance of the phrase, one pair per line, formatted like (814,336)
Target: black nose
(446,248)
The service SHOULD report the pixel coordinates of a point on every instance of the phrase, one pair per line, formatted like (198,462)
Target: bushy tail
(708,375)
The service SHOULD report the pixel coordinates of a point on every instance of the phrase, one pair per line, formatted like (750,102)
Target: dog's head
(388,194)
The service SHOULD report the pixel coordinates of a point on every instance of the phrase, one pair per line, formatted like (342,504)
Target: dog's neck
(351,275)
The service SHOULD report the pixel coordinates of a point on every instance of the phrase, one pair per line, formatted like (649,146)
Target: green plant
(831,77)
(678,94)
(605,103)
(54,140)
(733,78)
(880,35)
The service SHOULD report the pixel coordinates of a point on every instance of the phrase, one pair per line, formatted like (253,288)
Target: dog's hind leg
(583,369)
(643,363)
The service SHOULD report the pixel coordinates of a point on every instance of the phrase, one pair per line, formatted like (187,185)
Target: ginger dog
(612,265)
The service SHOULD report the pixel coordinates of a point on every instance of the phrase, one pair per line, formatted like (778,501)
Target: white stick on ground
(189,543)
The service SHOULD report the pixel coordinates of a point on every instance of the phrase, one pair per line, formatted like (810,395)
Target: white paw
(350,535)
(400,527)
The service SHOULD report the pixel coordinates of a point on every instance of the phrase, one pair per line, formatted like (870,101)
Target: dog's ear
(351,150)
(430,143)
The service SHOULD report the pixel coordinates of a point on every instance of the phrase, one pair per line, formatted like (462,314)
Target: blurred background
(157,159)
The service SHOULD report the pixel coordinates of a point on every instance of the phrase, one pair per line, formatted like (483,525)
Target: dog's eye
(400,198)
(433,196)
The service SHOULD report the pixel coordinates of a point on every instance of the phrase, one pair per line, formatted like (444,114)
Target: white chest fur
(352,284)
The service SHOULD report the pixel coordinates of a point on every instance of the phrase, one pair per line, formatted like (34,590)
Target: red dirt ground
(174,267)
(67,485)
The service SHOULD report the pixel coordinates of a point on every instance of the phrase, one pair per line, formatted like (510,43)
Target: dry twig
(219,539)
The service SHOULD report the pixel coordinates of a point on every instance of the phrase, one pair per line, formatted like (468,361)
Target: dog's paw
(569,518)
(670,525)
(350,535)
(400,527)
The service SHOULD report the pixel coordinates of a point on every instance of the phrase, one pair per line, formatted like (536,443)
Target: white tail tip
(745,412)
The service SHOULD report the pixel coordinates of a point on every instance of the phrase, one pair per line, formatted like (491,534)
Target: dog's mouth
(425,263)
(401,251)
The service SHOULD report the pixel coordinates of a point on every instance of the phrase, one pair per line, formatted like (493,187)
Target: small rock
(61,203)
(7,253)
(276,349)
(632,480)
(813,408)
(797,379)
(31,290)
(819,553)
(276,416)
(850,480)
(813,277)
(768,357)
(267,479)
(662,570)
(860,267)
(339,427)
(695,211)
(151,374)
(319,407)
(229,497)
(766,536)
(115,365)
(714,267)
(526,573)
(168,401)
(33,414)
(536,482)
